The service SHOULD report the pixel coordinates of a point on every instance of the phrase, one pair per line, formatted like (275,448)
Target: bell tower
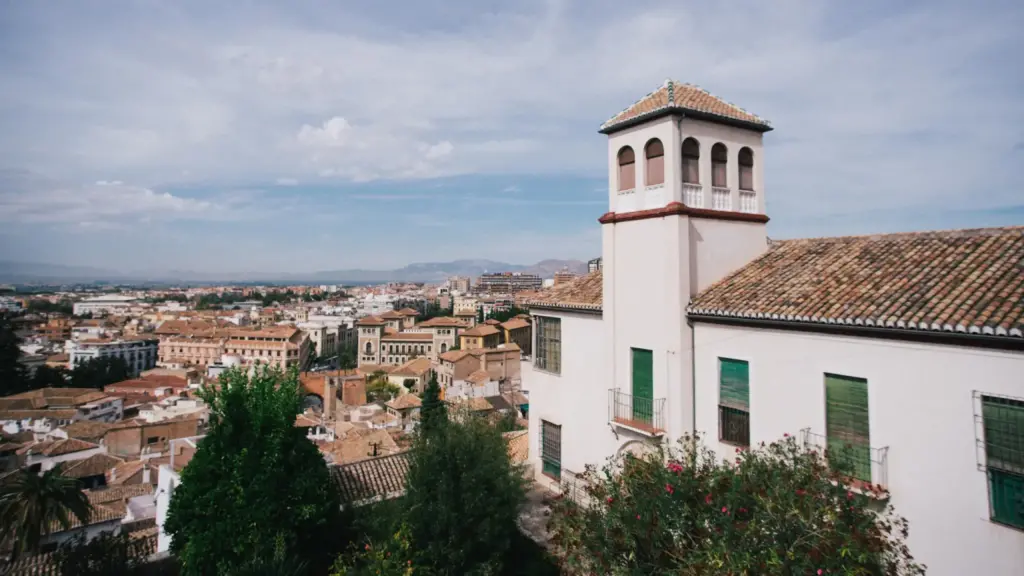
(685,208)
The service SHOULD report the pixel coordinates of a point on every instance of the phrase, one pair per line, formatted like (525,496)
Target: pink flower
(725,509)
(786,435)
(743,510)
(849,495)
(820,572)
(707,499)
(801,492)
(610,499)
(669,488)
(637,516)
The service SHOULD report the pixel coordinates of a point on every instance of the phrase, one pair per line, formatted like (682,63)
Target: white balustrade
(693,195)
(748,201)
(721,199)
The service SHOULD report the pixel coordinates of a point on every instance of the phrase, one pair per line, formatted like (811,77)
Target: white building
(908,346)
(8,303)
(140,354)
(106,304)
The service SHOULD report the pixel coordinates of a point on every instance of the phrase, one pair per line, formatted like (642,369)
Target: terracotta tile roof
(392,315)
(492,322)
(284,332)
(518,445)
(117,493)
(478,377)
(967,281)
(94,465)
(466,313)
(441,322)
(409,312)
(454,355)
(404,402)
(87,430)
(59,447)
(583,293)
(38,414)
(515,324)
(408,336)
(372,478)
(371,368)
(123,472)
(370,321)
(481,330)
(414,367)
(687,99)
(151,382)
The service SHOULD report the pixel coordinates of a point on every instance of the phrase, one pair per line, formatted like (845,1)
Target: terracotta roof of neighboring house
(454,355)
(404,402)
(582,293)
(86,429)
(392,315)
(409,312)
(441,322)
(100,513)
(306,421)
(499,403)
(358,444)
(370,321)
(52,448)
(118,475)
(492,322)
(373,478)
(478,377)
(55,397)
(409,336)
(94,465)
(477,404)
(481,330)
(515,324)
(966,281)
(518,445)
(523,317)
(151,382)
(414,367)
(265,332)
(505,347)
(367,369)
(689,100)
(466,313)
(516,398)
(61,358)
(37,414)
(117,493)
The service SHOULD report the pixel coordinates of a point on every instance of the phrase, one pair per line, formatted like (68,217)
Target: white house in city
(139,353)
(106,304)
(909,347)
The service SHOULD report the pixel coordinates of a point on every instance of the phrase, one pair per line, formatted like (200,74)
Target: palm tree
(30,503)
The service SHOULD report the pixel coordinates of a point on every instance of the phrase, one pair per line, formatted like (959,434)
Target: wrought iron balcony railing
(866,466)
(644,415)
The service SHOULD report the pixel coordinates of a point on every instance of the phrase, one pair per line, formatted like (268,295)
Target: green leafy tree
(13,377)
(433,412)
(380,389)
(409,383)
(463,496)
(46,376)
(99,372)
(776,510)
(256,488)
(103,555)
(347,357)
(32,504)
(390,557)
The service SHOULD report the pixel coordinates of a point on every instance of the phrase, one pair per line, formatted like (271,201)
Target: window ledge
(548,372)
(625,192)
(637,427)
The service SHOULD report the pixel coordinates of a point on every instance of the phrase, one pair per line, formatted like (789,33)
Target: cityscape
(697,367)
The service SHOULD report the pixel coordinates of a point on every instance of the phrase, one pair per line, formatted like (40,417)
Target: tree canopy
(433,413)
(99,372)
(31,504)
(779,509)
(256,490)
(13,376)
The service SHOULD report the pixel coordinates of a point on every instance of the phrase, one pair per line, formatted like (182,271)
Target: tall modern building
(508,282)
(594,265)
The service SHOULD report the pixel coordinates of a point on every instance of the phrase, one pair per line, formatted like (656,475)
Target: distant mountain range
(35,273)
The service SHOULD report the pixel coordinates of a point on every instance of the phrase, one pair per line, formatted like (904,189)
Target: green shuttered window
(1003,420)
(551,449)
(734,401)
(549,344)
(847,424)
(643,384)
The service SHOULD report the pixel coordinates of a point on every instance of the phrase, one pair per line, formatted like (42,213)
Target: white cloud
(286,182)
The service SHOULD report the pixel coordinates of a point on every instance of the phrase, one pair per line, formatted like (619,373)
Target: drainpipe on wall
(693,376)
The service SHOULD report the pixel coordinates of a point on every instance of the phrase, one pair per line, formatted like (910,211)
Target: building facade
(508,282)
(139,353)
(749,342)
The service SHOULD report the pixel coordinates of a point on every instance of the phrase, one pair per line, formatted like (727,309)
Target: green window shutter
(551,449)
(847,423)
(1004,433)
(734,384)
(643,385)
(1007,493)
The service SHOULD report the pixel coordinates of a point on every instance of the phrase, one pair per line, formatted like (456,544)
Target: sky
(305,135)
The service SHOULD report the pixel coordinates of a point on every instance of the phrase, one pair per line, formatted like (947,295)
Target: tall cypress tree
(433,413)
(13,378)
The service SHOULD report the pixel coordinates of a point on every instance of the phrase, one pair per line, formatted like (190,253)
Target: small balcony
(748,201)
(693,195)
(721,198)
(869,466)
(642,415)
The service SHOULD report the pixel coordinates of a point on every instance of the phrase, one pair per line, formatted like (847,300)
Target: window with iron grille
(1003,443)
(847,427)
(734,401)
(551,449)
(549,344)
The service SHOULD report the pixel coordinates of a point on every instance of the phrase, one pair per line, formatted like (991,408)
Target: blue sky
(308,135)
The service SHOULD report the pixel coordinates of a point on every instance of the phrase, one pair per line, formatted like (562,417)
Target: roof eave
(685,113)
(579,308)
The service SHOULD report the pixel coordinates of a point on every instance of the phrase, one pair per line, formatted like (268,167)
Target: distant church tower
(686,207)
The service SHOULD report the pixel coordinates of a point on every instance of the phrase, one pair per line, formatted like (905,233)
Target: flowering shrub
(778,509)
(392,557)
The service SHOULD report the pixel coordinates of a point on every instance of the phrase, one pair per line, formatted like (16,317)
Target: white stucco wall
(719,247)
(920,398)
(167,481)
